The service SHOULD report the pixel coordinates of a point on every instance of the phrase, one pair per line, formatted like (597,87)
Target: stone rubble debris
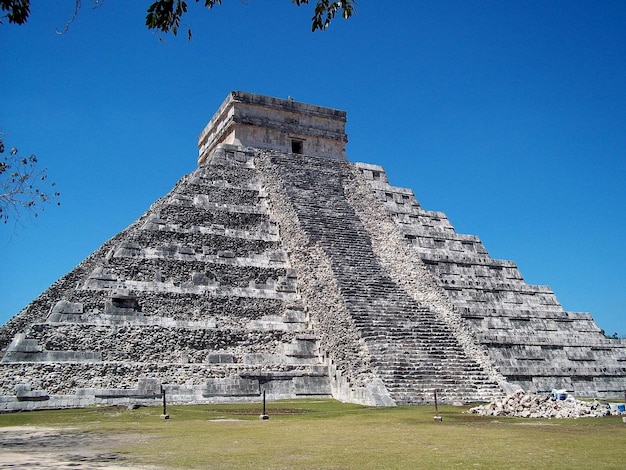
(529,405)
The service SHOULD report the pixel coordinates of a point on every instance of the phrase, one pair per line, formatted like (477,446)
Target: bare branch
(23,186)
(77,5)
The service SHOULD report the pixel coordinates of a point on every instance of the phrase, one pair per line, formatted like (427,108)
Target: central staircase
(412,350)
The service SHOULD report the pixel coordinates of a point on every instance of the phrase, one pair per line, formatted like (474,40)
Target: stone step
(392,321)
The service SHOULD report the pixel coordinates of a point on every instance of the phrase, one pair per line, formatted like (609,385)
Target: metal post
(264,415)
(437,418)
(164,415)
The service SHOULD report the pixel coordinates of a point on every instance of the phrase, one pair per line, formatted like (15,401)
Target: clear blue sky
(509,116)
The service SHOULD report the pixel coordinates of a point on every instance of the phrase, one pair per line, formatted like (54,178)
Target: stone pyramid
(278,266)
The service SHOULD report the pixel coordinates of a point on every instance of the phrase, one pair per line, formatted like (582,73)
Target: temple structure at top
(251,120)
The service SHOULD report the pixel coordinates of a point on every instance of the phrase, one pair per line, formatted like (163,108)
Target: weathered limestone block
(286,284)
(263,359)
(293,315)
(220,358)
(231,387)
(101,278)
(275,322)
(23,392)
(69,356)
(149,386)
(302,347)
(24,349)
(65,307)
(146,388)
(21,344)
(122,302)
(311,385)
(128,249)
(154,222)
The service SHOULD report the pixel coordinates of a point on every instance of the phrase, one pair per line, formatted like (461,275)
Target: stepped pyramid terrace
(278,266)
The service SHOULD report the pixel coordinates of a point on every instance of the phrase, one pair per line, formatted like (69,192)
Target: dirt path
(35,447)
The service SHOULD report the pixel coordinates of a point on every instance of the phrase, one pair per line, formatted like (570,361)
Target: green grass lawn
(325,434)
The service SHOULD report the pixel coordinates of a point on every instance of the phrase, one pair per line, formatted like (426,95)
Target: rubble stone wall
(70,378)
(157,344)
(199,288)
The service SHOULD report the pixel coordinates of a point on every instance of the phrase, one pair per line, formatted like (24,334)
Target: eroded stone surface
(270,269)
(531,340)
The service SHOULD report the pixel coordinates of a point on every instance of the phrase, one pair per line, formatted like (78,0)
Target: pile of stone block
(530,405)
